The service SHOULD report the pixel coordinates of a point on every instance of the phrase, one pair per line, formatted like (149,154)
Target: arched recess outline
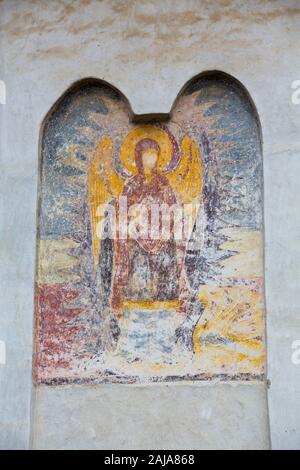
(135,310)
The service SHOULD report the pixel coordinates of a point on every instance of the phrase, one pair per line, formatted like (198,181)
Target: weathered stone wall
(148,50)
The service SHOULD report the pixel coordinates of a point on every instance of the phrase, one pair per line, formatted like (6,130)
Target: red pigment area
(55,335)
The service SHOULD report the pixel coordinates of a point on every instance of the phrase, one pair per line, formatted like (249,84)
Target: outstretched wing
(187,178)
(104,185)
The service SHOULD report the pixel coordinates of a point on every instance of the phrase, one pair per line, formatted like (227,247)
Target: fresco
(150,243)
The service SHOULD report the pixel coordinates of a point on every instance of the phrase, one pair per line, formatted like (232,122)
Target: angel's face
(149,159)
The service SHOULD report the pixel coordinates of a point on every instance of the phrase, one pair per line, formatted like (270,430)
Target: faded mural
(150,245)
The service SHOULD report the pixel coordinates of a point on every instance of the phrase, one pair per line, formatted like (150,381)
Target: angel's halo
(127,150)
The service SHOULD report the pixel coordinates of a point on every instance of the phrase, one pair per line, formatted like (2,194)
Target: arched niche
(126,309)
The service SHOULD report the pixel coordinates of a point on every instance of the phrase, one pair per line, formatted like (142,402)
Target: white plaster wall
(177,416)
(148,49)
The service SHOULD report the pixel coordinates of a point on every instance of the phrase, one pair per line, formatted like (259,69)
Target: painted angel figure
(161,178)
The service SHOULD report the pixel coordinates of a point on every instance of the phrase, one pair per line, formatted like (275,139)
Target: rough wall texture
(148,50)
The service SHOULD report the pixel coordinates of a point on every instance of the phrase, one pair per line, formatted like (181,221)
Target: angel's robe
(147,269)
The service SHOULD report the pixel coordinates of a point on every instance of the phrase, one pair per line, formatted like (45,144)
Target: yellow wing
(104,185)
(187,179)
